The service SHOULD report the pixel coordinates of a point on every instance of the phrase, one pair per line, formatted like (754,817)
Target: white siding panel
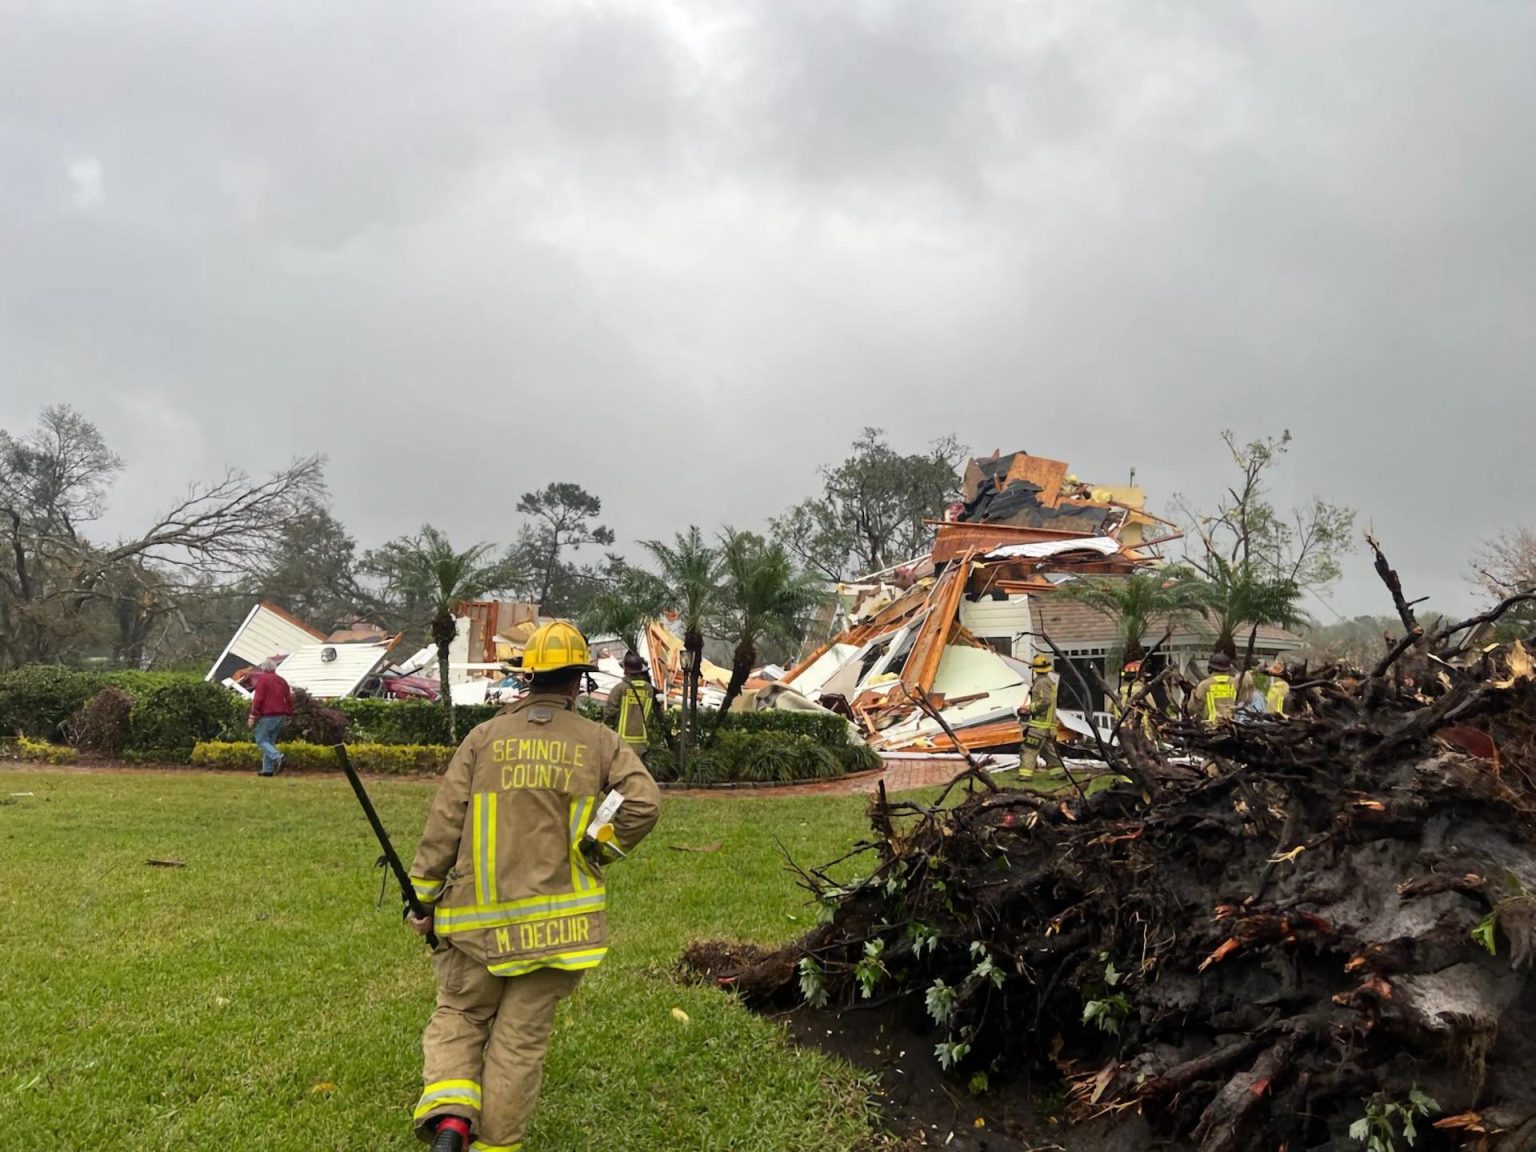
(261,634)
(328,679)
(267,634)
(1001,619)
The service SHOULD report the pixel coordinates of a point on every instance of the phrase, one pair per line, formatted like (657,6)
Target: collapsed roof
(953,634)
(1035,492)
(267,633)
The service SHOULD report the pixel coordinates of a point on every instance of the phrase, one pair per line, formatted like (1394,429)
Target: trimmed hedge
(170,719)
(408,721)
(381,759)
(826,728)
(421,721)
(765,758)
(40,701)
(36,751)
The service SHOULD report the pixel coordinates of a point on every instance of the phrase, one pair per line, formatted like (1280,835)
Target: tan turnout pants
(1032,748)
(484,1048)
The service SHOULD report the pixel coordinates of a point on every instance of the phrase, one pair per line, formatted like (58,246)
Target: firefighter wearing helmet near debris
(1038,715)
(505,867)
(1214,699)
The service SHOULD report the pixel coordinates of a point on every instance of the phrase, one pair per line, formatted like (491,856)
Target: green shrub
(408,721)
(823,727)
(137,683)
(37,701)
(761,758)
(40,700)
(168,720)
(858,758)
(36,751)
(381,759)
(104,725)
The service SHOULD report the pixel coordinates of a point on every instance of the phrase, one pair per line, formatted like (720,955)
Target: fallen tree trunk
(1328,926)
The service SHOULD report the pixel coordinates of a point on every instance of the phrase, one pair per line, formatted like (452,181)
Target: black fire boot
(452,1135)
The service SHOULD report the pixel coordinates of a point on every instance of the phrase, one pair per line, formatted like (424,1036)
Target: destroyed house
(946,641)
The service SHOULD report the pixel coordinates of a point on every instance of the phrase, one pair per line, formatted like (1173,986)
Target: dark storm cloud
(683,252)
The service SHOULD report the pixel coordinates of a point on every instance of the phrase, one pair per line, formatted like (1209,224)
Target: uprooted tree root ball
(1305,933)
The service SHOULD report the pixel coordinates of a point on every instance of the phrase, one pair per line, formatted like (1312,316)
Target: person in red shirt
(271,705)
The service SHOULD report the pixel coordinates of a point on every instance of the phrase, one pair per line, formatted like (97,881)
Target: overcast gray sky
(682,252)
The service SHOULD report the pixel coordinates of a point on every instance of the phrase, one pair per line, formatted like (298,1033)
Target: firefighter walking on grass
(632,707)
(517,902)
(1038,715)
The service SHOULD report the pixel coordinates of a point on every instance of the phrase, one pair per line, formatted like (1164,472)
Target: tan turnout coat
(500,860)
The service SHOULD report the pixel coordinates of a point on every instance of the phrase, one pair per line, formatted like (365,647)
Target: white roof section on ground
(1048,548)
(265,633)
(812,679)
(307,668)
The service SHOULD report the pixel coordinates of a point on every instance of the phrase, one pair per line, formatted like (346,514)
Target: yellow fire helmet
(555,646)
(1041,663)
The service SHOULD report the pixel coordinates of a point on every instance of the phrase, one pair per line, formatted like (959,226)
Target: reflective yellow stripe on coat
(565,961)
(483,845)
(1222,688)
(582,880)
(628,703)
(427,891)
(451,920)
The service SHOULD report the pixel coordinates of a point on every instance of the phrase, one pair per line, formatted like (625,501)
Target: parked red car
(393,686)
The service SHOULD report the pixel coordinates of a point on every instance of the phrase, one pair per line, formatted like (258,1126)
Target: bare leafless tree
(1506,565)
(53,483)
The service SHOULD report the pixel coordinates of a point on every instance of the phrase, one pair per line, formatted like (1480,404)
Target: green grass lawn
(257,998)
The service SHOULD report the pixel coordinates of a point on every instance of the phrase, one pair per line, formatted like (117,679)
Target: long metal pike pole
(407,891)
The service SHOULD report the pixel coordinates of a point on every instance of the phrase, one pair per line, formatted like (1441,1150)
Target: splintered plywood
(1046,475)
(899,610)
(943,617)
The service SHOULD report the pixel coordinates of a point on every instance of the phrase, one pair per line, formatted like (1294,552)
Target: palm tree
(1235,597)
(1139,602)
(430,573)
(627,606)
(765,598)
(691,571)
